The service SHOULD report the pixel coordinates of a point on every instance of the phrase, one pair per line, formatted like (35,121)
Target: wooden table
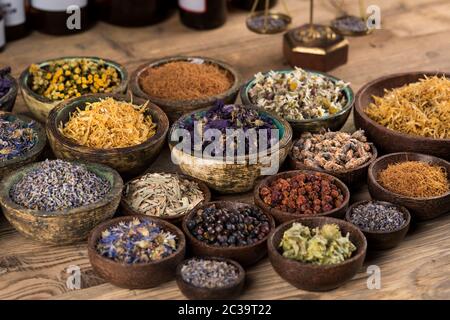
(414,36)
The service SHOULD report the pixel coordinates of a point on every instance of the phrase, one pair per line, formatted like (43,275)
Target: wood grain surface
(414,36)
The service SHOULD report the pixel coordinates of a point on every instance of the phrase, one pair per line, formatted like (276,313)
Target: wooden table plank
(414,37)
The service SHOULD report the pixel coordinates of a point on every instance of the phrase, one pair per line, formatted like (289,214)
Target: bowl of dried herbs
(317,253)
(8,89)
(309,100)
(45,84)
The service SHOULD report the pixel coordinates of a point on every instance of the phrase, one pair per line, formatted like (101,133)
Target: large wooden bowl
(390,141)
(245,255)
(353,178)
(130,161)
(127,210)
(9,99)
(334,122)
(420,208)
(140,275)
(283,216)
(311,277)
(176,108)
(63,226)
(41,106)
(239,176)
(32,155)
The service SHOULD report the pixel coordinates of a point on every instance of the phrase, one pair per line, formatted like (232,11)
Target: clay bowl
(332,123)
(245,255)
(239,176)
(176,108)
(383,240)
(63,226)
(231,291)
(283,216)
(384,137)
(41,106)
(420,208)
(127,210)
(129,161)
(353,178)
(8,100)
(135,276)
(32,155)
(313,277)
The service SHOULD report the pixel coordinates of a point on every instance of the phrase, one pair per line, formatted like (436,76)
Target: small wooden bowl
(129,161)
(176,108)
(9,99)
(245,255)
(64,226)
(283,216)
(420,208)
(135,276)
(312,277)
(383,240)
(334,122)
(236,177)
(231,291)
(353,178)
(32,155)
(384,137)
(41,106)
(127,210)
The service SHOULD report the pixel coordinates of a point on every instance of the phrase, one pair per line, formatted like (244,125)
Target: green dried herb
(322,246)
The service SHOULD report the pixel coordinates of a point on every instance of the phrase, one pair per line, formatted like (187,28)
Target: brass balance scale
(312,46)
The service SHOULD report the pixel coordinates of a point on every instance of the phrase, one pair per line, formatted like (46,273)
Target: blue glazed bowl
(333,122)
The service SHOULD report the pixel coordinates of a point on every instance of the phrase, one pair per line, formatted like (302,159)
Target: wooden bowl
(63,226)
(41,106)
(420,208)
(127,210)
(129,161)
(312,277)
(383,240)
(353,178)
(390,141)
(332,123)
(236,177)
(9,99)
(231,291)
(176,108)
(135,276)
(245,255)
(32,155)
(283,216)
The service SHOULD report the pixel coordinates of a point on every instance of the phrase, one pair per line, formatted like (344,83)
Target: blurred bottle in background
(203,14)
(15,19)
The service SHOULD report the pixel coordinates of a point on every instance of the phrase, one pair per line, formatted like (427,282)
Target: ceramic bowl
(239,175)
(63,226)
(41,106)
(353,178)
(283,216)
(176,108)
(383,240)
(9,99)
(312,277)
(126,209)
(332,123)
(387,140)
(245,255)
(420,208)
(129,161)
(141,275)
(231,291)
(32,155)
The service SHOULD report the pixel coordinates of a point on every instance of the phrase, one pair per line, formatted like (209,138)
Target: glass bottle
(2,32)
(15,19)
(203,14)
(60,17)
(248,4)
